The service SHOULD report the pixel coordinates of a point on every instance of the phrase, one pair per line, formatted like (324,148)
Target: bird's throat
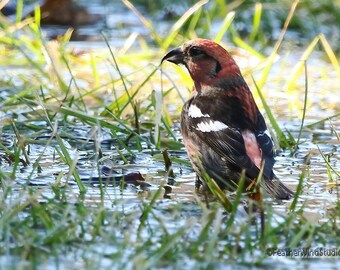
(198,87)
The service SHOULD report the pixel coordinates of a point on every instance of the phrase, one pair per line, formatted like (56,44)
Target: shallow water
(318,196)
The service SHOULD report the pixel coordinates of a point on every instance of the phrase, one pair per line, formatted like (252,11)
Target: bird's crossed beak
(175,56)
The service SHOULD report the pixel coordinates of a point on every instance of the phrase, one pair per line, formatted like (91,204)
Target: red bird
(223,130)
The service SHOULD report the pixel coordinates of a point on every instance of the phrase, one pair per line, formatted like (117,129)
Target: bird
(224,133)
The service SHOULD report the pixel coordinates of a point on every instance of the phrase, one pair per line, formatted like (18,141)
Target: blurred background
(118,21)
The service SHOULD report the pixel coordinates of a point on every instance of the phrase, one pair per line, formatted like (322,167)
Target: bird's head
(206,61)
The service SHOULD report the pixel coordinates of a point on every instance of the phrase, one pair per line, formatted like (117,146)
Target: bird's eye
(195,51)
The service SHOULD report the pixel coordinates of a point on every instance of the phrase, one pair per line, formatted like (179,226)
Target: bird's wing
(227,143)
(214,123)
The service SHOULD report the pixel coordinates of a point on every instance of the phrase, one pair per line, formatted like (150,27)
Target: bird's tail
(277,189)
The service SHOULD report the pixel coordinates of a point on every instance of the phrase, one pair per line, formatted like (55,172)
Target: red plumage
(223,131)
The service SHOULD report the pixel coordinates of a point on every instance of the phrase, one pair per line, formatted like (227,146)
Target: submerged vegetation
(70,112)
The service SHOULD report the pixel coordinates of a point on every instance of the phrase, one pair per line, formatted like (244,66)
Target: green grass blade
(194,21)
(297,70)
(179,24)
(297,239)
(215,189)
(284,143)
(322,120)
(256,22)
(299,187)
(70,162)
(147,210)
(304,106)
(85,117)
(124,101)
(19,10)
(244,45)
(239,192)
(331,55)
(329,166)
(124,127)
(158,118)
(145,21)
(225,26)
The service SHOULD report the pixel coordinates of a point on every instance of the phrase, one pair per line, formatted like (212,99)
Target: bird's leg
(198,183)
(251,186)
(205,192)
(257,198)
